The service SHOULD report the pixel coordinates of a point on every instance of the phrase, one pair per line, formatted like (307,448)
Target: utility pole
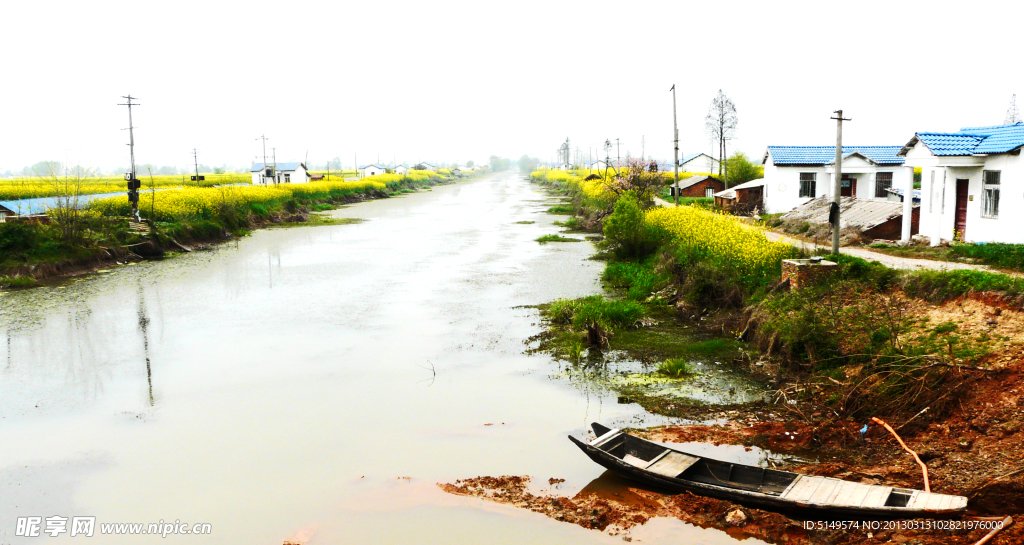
(133,183)
(618,156)
(273,151)
(837,182)
(675,132)
(263,137)
(195,157)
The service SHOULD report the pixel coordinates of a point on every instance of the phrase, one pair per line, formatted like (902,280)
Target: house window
(808,184)
(990,190)
(883,181)
(287,178)
(709,192)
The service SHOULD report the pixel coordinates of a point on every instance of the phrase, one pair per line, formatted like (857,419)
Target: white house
(794,175)
(426,166)
(698,162)
(972,183)
(281,173)
(599,165)
(371,170)
(401,169)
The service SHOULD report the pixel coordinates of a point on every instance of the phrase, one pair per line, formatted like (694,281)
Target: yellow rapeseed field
(35,187)
(721,238)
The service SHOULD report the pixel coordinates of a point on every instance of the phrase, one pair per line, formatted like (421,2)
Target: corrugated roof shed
(853,212)
(825,155)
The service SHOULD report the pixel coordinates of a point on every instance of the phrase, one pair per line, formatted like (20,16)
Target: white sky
(453,81)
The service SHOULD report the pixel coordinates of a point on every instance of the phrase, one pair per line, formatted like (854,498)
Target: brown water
(282,386)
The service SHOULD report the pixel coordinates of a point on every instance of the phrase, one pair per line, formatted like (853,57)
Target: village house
(972,183)
(281,173)
(794,175)
(698,162)
(425,166)
(5,213)
(401,169)
(371,170)
(746,197)
(698,186)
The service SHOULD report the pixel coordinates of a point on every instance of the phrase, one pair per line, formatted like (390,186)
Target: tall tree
(720,124)
(1012,113)
(741,169)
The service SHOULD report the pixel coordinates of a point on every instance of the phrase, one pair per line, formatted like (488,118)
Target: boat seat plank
(604,438)
(876,496)
(802,488)
(634,461)
(824,492)
(672,464)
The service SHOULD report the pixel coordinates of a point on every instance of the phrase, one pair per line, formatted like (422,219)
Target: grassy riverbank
(78,239)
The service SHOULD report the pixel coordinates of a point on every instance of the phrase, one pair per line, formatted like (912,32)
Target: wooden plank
(824,491)
(633,460)
(851,494)
(802,489)
(877,496)
(604,438)
(672,464)
(946,502)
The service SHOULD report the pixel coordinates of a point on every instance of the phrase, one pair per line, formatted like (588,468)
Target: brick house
(699,186)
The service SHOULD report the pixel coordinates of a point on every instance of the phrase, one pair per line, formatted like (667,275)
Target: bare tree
(1012,113)
(720,124)
(66,214)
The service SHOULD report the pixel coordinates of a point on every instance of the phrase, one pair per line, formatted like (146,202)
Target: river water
(310,383)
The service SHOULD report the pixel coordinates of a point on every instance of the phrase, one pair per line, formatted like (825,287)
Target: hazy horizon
(450,82)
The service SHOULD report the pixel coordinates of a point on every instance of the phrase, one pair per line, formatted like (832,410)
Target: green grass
(595,309)
(1001,256)
(939,286)
(556,238)
(639,279)
(560,209)
(676,368)
(17,281)
(525,222)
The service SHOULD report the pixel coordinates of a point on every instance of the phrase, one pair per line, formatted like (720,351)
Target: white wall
(701,163)
(782,186)
(939,222)
(372,171)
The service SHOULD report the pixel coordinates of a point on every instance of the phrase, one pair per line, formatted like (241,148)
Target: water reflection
(143,325)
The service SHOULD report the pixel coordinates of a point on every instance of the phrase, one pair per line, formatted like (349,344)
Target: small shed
(371,170)
(699,186)
(5,213)
(425,166)
(401,169)
(743,198)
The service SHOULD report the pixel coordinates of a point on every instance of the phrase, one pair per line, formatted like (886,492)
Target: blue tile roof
(826,155)
(975,140)
(689,157)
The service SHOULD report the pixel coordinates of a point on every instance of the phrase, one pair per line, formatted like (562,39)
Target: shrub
(1003,256)
(939,286)
(639,279)
(627,232)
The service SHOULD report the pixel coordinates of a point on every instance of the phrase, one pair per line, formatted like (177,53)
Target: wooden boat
(656,465)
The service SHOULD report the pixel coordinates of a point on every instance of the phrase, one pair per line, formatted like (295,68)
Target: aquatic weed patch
(556,238)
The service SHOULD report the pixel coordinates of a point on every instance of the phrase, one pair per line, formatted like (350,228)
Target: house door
(961,207)
(847,187)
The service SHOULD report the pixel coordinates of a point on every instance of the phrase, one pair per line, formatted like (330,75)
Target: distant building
(282,173)
(425,166)
(697,162)
(371,170)
(5,212)
(401,169)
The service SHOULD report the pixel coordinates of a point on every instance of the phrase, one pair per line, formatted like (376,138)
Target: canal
(311,383)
